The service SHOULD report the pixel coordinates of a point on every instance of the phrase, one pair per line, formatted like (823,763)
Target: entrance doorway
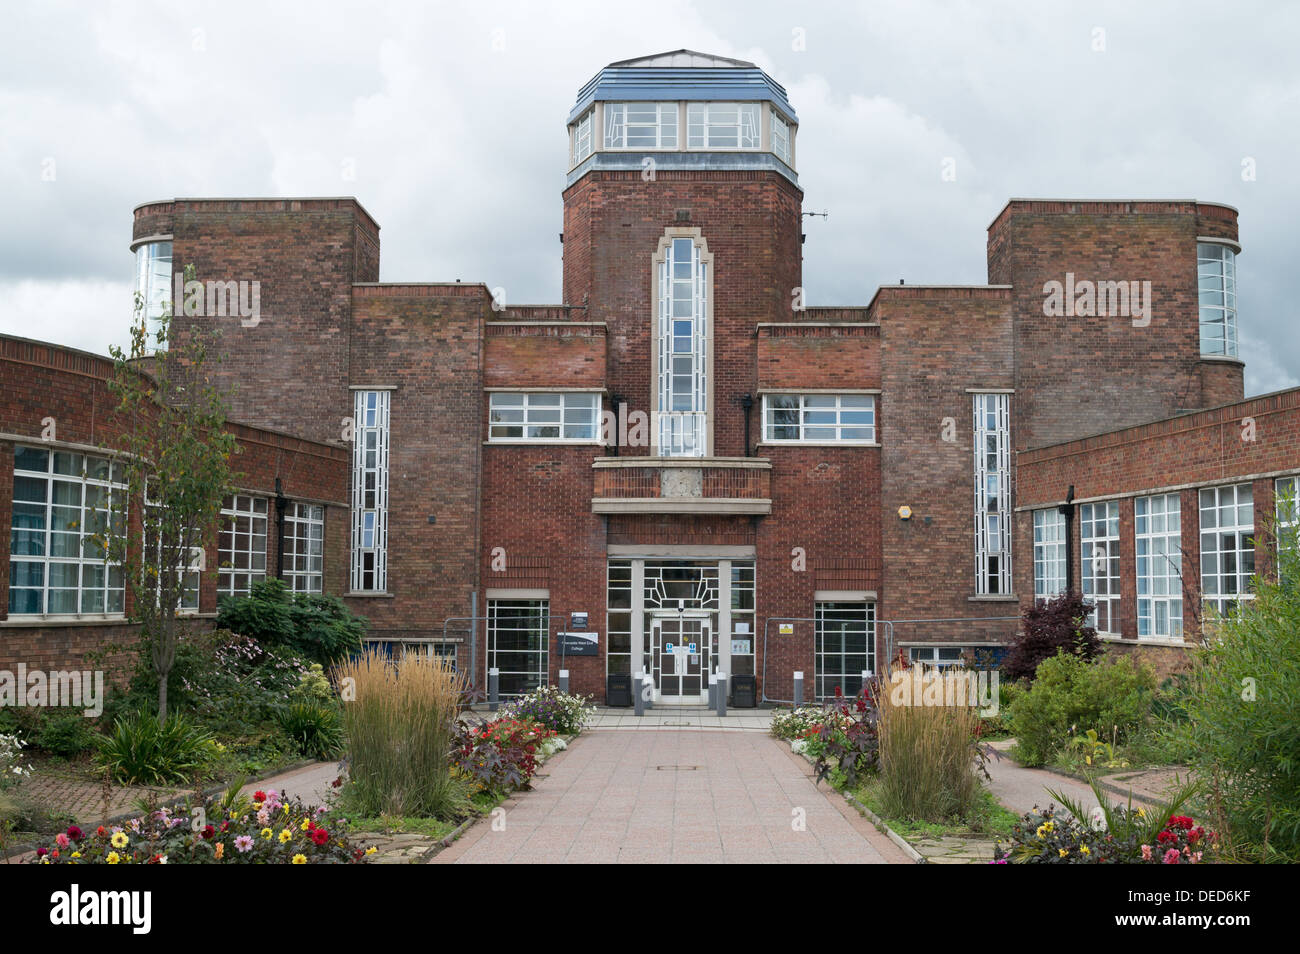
(680,650)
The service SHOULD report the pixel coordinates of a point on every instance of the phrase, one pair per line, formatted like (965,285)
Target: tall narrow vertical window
(582,146)
(304,547)
(1158,532)
(781,138)
(67,515)
(518,634)
(992,416)
(1286,492)
(1049,554)
(844,646)
(1099,563)
(370,492)
(683,341)
(1227,545)
(241,545)
(1216,278)
(153,283)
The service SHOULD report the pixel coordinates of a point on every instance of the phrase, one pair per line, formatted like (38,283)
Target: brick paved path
(664,796)
(70,792)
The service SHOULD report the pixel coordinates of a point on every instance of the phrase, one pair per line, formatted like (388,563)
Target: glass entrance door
(680,648)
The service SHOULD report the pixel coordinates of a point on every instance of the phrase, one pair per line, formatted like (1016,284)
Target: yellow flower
(1063,852)
(119,840)
(285,836)
(286,809)
(1084,849)
(1050,826)
(299,859)
(76,854)
(371,850)
(113,858)
(1142,813)
(267,833)
(306,823)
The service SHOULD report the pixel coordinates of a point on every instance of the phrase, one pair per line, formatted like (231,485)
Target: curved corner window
(1216,278)
(781,139)
(153,283)
(582,137)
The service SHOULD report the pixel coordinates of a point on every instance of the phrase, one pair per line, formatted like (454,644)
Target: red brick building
(681,469)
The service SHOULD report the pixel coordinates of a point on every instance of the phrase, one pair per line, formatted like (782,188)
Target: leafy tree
(1048,626)
(174,454)
(319,627)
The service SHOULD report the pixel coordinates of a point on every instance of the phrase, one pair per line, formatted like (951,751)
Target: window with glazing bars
(241,545)
(992,418)
(1157,527)
(682,409)
(543,416)
(1099,563)
(370,492)
(722,126)
(1216,274)
(1049,554)
(1227,545)
(836,418)
(640,125)
(304,547)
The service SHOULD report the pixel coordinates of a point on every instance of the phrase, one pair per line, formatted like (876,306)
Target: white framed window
(543,416)
(844,647)
(819,418)
(1099,563)
(1227,545)
(683,351)
(992,419)
(640,125)
(518,644)
(304,547)
(241,545)
(1049,554)
(153,283)
(66,508)
(781,138)
(1157,526)
(191,564)
(937,656)
(1286,497)
(370,492)
(722,126)
(1216,280)
(582,143)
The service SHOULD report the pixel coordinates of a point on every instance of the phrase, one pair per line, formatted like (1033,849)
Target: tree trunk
(162,696)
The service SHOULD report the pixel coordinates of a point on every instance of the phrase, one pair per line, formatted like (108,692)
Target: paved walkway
(665,796)
(1021,789)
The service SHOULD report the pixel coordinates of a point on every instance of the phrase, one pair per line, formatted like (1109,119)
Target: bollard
(564,680)
(638,700)
(713,690)
(494,689)
(798,689)
(722,694)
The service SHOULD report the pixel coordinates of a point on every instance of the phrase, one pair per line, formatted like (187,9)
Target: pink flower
(1146,852)
(244,844)
(1172,856)
(61,840)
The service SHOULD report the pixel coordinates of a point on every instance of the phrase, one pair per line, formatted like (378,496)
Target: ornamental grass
(927,753)
(399,720)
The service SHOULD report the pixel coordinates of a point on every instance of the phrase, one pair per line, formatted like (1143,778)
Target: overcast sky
(447,123)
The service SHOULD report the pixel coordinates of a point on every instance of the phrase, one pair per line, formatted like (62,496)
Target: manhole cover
(677,722)
(676,768)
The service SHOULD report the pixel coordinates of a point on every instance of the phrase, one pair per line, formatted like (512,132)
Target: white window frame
(1219,586)
(937,656)
(1216,284)
(370,453)
(1099,573)
(583,139)
(707,122)
(818,413)
(1286,501)
(153,283)
(304,547)
(107,598)
(533,412)
(1050,554)
(683,340)
(233,579)
(190,569)
(780,137)
(1158,548)
(537,626)
(846,675)
(618,126)
(992,445)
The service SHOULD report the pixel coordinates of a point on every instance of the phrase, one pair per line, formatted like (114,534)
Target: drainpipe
(747,402)
(281,502)
(1067,511)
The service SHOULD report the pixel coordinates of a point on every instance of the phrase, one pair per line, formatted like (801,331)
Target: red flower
(259,796)
(320,836)
(100,831)
(42,852)
(337,782)
(208,832)
(75,833)
(1166,836)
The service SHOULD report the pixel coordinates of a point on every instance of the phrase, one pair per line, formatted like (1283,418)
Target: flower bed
(501,755)
(558,711)
(231,830)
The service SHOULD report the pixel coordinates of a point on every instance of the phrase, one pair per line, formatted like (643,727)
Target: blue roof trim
(618,84)
(725,161)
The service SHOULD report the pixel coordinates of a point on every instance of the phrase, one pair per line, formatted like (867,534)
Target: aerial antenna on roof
(823,214)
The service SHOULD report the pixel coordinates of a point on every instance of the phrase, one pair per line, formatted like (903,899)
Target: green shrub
(141,750)
(1241,728)
(319,627)
(1112,696)
(66,735)
(314,728)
